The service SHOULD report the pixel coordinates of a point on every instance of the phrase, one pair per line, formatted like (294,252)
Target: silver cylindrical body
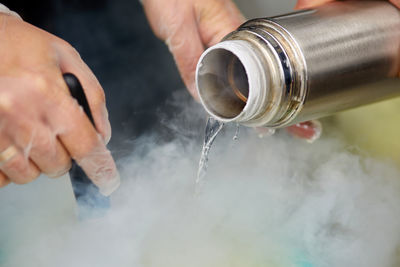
(282,70)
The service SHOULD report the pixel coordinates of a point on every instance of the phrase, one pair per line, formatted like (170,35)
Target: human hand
(41,126)
(190,26)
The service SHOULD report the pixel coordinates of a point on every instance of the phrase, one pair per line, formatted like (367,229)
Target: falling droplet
(236,136)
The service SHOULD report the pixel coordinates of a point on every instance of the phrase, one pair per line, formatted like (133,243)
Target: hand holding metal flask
(279,71)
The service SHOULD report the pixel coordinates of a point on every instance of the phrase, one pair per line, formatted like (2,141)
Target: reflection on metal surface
(236,80)
(304,65)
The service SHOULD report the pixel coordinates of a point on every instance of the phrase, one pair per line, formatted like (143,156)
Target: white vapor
(276,202)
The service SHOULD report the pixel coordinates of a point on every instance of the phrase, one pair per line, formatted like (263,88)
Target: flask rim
(257,79)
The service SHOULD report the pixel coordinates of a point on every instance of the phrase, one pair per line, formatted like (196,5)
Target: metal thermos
(282,70)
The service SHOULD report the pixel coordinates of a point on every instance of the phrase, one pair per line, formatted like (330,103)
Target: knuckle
(99,99)
(69,48)
(7,102)
(43,148)
(100,95)
(39,83)
(95,94)
(47,151)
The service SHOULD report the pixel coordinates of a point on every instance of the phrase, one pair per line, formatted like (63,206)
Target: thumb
(217,20)
(174,22)
(190,26)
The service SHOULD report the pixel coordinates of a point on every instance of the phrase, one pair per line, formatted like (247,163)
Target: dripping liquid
(236,136)
(213,127)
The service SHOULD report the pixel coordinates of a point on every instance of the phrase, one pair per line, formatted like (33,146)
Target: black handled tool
(90,201)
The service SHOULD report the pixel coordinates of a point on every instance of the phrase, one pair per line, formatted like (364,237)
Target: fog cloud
(275,201)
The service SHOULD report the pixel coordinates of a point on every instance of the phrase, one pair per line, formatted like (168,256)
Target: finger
(15,165)
(44,149)
(84,144)
(309,130)
(302,4)
(71,62)
(3,180)
(31,133)
(216,19)
(396,3)
(20,170)
(51,157)
(185,44)
(188,27)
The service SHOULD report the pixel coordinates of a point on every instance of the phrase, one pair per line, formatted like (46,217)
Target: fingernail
(110,186)
(309,130)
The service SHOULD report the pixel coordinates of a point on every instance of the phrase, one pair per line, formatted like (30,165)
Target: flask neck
(229,79)
(247,78)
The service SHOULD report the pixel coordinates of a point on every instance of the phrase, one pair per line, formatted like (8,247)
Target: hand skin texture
(39,118)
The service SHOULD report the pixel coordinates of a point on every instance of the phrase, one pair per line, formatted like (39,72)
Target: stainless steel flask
(279,71)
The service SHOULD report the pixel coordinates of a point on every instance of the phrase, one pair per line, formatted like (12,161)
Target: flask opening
(222,83)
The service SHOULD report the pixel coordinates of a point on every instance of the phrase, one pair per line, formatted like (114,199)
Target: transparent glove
(190,26)
(41,126)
